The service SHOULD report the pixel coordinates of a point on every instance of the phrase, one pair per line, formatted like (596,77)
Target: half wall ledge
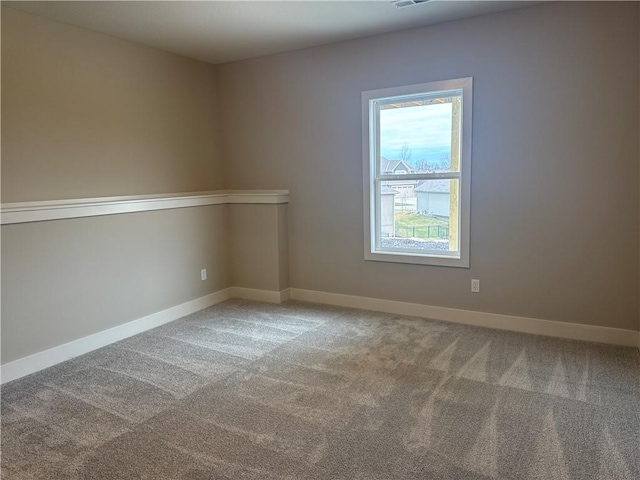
(25,212)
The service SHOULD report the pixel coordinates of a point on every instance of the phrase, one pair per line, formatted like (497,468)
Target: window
(417,173)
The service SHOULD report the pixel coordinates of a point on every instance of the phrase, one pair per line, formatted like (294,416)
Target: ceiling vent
(407,3)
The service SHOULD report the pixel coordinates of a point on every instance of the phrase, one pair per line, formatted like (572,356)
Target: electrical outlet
(203,274)
(475,285)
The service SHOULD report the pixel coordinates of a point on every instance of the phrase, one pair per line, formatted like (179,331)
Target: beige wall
(66,279)
(86,115)
(89,115)
(555,190)
(258,246)
(555,208)
(283,247)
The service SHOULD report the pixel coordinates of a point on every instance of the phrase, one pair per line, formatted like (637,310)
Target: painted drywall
(90,115)
(66,279)
(283,247)
(257,246)
(555,182)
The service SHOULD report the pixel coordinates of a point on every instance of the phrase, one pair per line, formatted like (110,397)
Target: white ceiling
(224,31)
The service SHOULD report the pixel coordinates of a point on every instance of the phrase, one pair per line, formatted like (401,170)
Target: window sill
(433,260)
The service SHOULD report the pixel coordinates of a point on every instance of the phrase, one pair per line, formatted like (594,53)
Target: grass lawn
(420,226)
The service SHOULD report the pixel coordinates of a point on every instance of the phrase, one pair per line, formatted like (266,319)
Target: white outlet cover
(203,274)
(475,285)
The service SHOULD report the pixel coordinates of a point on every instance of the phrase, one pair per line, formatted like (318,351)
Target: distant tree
(405,153)
(443,163)
(422,165)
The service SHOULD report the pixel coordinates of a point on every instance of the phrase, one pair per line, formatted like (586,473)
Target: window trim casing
(369,165)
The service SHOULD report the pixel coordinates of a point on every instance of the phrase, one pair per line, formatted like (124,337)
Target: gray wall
(66,279)
(86,115)
(555,208)
(258,246)
(89,115)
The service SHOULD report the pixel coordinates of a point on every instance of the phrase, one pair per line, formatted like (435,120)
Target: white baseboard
(48,358)
(574,331)
(285,295)
(268,296)
(41,360)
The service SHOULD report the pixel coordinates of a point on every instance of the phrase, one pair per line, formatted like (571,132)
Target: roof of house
(434,186)
(392,165)
(386,190)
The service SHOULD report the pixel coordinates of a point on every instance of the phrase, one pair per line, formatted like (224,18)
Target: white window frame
(371,175)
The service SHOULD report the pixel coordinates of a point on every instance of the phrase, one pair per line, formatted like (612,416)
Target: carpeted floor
(246,390)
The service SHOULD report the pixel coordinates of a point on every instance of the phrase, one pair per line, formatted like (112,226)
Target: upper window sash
(403,101)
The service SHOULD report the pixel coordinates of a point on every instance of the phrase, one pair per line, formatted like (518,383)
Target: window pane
(421,135)
(419,215)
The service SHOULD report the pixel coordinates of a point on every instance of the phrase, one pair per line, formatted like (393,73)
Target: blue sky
(426,128)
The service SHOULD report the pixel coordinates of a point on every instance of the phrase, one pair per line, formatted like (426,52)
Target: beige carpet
(246,390)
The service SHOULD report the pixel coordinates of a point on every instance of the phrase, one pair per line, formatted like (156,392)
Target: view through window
(415,167)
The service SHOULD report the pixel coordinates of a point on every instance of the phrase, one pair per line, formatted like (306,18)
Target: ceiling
(225,31)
